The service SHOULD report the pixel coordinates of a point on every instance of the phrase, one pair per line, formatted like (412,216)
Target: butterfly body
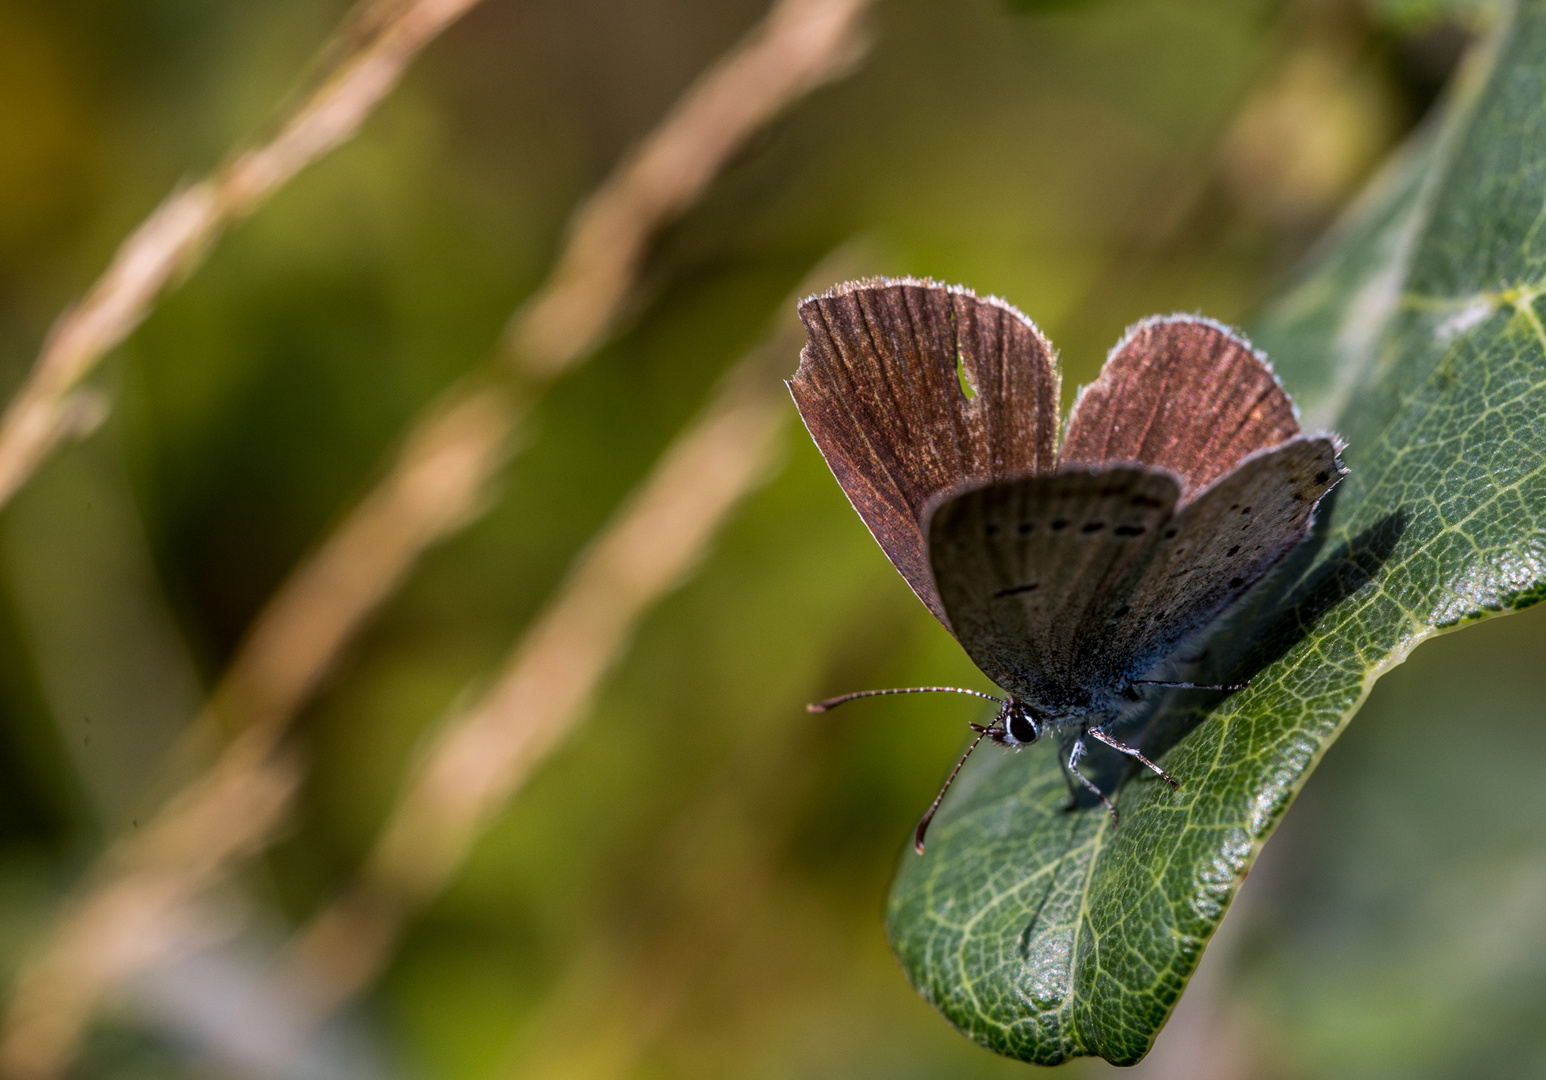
(1066,575)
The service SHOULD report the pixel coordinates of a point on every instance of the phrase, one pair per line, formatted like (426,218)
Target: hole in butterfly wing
(968,391)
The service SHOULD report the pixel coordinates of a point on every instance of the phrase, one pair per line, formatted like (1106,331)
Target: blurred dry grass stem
(132,913)
(214,823)
(437,482)
(176,235)
(434,487)
(485,753)
(798,47)
(713,874)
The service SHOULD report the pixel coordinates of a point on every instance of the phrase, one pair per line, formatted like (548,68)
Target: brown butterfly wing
(1216,547)
(879,388)
(1034,571)
(1183,393)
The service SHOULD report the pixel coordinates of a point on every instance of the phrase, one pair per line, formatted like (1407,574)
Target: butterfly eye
(1021,728)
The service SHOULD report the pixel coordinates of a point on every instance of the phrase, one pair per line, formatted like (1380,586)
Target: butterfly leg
(1068,778)
(1134,752)
(1073,766)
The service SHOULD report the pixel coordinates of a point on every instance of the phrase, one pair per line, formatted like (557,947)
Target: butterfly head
(1016,725)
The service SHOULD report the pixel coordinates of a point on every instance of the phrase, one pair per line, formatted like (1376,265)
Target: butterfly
(1067,574)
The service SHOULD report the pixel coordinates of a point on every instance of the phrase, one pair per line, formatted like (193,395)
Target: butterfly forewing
(1216,547)
(880,388)
(1033,571)
(1183,393)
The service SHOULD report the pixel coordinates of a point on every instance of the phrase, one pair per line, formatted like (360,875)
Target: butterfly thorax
(1063,702)
(1066,713)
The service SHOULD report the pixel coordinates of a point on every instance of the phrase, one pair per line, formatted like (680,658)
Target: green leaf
(1046,935)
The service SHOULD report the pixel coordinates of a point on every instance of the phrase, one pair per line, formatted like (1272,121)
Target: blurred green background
(692,886)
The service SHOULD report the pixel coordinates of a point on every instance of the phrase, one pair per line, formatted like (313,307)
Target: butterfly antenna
(834,702)
(928,815)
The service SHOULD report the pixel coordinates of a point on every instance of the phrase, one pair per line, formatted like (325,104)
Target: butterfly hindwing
(1217,546)
(1185,394)
(880,388)
(1033,571)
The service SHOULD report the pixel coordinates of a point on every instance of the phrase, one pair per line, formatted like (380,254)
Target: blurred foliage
(1423,14)
(1043,6)
(693,885)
